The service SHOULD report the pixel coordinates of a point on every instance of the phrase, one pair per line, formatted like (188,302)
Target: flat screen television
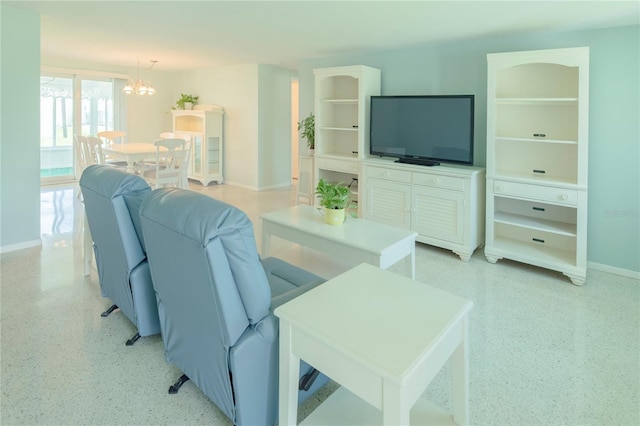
(424,129)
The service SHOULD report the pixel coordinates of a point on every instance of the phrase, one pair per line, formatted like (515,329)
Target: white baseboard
(20,246)
(240,185)
(262,188)
(278,186)
(614,270)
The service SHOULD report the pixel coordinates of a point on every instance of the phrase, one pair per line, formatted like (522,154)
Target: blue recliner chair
(112,199)
(215,300)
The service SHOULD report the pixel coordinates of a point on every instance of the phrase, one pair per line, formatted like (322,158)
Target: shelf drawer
(446,182)
(536,192)
(389,174)
(338,165)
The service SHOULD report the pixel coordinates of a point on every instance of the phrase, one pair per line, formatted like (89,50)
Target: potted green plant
(308,127)
(336,199)
(186,101)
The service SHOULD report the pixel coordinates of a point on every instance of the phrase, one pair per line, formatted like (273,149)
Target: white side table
(381,336)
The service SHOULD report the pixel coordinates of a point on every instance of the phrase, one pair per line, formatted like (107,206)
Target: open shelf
(536,101)
(542,256)
(535,140)
(341,129)
(340,101)
(536,224)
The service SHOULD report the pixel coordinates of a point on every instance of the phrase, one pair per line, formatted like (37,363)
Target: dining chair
(170,164)
(78,148)
(167,135)
(111,136)
(187,160)
(93,151)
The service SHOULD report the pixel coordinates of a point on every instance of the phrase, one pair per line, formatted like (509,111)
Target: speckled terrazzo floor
(542,351)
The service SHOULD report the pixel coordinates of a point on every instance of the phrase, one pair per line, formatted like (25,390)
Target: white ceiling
(200,34)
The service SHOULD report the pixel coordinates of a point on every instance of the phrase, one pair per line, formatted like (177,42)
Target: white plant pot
(334,216)
(188,105)
(310,152)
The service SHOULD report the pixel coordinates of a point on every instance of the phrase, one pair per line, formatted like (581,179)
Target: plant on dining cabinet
(186,101)
(336,199)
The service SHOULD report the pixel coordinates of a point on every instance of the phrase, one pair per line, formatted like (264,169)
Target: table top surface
(130,148)
(364,234)
(378,318)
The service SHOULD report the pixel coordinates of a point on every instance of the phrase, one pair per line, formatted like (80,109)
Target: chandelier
(140,87)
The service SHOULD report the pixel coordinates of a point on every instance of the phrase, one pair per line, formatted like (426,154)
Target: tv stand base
(418,161)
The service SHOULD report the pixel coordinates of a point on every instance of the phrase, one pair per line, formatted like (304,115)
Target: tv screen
(419,128)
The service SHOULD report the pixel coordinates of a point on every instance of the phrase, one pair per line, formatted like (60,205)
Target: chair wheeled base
(108,311)
(173,389)
(134,339)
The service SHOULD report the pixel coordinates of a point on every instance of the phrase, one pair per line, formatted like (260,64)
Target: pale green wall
(19,128)
(614,142)
(257,103)
(235,88)
(274,106)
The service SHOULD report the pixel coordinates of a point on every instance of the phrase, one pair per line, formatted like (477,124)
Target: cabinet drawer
(389,174)
(446,182)
(536,192)
(338,165)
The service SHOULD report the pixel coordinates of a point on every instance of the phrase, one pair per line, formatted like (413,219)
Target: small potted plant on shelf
(336,199)
(308,127)
(186,101)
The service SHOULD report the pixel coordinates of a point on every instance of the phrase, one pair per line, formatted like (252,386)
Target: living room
(454,67)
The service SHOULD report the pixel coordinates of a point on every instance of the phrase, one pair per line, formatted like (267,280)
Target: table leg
(289,372)
(413,261)
(266,240)
(460,376)
(87,246)
(394,408)
(131,167)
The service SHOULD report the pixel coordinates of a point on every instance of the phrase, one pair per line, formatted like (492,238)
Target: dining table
(132,153)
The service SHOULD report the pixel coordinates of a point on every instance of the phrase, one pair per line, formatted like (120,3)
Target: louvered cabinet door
(438,213)
(389,203)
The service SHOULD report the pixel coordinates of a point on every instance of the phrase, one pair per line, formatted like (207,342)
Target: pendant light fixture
(140,87)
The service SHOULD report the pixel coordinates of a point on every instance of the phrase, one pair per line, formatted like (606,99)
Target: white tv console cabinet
(444,204)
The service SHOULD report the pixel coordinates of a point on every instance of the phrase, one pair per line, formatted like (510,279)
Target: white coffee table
(356,240)
(382,337)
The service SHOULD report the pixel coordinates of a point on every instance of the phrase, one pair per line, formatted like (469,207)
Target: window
(73,104)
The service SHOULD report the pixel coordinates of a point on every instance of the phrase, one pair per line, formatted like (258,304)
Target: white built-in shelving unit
(537,147)
(342,99)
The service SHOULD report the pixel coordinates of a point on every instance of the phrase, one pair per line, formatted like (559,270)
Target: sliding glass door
(71,104)
(56,128)
(97,110)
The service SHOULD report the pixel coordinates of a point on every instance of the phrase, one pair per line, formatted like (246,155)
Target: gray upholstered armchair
(215,300)
(112,199)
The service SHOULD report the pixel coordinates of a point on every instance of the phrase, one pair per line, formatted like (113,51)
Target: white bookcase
(537,146)
(342,98)
(204,124)
(443,204)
